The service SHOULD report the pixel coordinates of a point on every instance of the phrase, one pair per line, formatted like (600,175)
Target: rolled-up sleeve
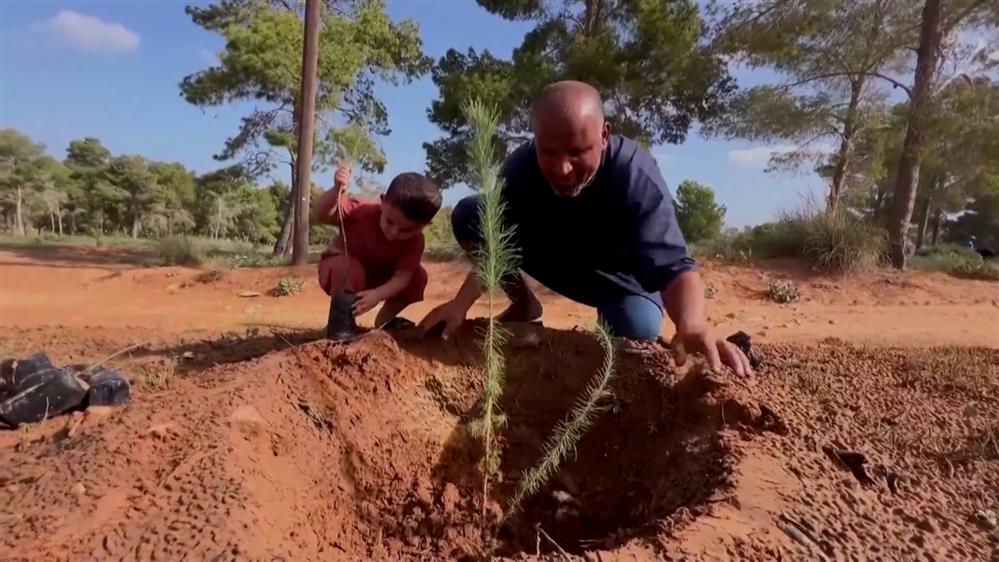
(660,249)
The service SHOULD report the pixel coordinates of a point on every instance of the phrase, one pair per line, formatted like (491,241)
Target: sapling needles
(495,259)
(563,440)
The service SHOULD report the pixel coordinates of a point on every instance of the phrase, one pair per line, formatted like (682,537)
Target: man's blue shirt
(619,236)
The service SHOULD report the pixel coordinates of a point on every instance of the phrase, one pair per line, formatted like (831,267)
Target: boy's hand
(366,300)
(341,178)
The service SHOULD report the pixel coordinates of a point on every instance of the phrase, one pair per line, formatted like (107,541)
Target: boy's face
(394,224)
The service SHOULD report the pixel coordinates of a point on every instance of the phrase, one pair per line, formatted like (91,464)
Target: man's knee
(465,222)
(634,317)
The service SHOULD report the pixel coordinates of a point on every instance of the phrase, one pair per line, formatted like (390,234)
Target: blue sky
(111,69)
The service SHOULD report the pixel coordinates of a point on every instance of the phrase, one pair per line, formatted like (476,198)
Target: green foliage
(566,435)
(644,56)
(831,57)
(179,250)
(440,242)
(832,243)
(288,286)
(957,261)
(697,213)
(782,291)
(836,243)
(980,219)
(495,260)
(261,62)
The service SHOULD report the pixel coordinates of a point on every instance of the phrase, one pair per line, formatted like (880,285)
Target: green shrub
(838,243)
(288,286)
(782,291)
(441,245)
(955,260)
(828,243)
(976,270)
(178,250)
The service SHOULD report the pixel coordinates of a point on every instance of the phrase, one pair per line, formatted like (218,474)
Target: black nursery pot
(341,324)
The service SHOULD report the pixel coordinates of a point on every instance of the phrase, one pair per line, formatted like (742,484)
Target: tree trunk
(19,216)
(936,188)
(135,226)
(937,218)
(924,221)
(72,222)
(310,58)
(845,148)
(59,215)
(282,247)
(915,135)
(51,221)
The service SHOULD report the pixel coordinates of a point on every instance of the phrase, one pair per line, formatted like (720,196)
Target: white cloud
(757,157)
(88,33)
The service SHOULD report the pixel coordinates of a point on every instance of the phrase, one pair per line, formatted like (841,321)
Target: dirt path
(77,288)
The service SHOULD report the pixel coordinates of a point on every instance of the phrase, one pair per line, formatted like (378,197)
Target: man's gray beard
(578,190)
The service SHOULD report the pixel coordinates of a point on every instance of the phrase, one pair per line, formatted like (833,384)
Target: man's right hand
(448,316)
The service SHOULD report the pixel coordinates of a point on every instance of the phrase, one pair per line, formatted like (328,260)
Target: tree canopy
(699,216)
(646,57)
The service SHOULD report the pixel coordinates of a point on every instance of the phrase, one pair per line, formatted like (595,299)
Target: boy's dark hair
(417,197)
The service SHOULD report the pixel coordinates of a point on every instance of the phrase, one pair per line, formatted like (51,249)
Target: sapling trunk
(495,259)
(563,440)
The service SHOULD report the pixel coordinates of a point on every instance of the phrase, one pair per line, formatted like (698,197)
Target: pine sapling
(563,440)
(495,259)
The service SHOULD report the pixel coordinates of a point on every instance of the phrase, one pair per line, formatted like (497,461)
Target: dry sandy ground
(77,287)
(870,433)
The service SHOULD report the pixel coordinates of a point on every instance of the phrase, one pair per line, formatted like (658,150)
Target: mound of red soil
(361,451)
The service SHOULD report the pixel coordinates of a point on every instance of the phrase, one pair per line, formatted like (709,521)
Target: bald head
(570,135)
(568,100)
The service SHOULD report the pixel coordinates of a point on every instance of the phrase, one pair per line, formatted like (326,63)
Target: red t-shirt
(367,244)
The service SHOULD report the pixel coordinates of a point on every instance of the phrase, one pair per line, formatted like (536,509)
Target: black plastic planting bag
(341,324)
(41,394)
(107,388)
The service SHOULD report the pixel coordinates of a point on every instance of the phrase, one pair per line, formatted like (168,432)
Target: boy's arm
(328,202)
(405,269)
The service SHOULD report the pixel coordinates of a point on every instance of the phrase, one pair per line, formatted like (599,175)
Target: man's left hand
(715,349)
(366,300)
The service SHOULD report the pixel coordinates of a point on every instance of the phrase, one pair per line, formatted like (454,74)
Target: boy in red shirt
(383,242)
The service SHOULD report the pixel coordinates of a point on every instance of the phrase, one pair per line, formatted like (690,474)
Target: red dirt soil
(83,287)
(270,445)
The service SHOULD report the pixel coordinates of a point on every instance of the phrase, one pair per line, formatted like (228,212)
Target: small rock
(831,321)
(973,410)
(13,488)
(987,518)
(79,489)
(247,418)
(187,355)
(926,525)
(97,413)
(248,294)
(162,430)
(730,315)
(173,288)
